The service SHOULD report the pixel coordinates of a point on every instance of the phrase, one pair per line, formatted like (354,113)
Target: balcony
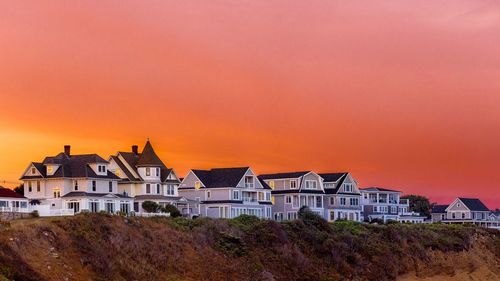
(250,200)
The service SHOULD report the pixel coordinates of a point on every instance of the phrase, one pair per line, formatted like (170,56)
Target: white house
(342,197)
(68,184)
(145,177)
(11,201)
(465,210)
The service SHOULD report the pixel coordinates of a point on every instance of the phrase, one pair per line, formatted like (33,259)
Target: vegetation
(151,207)
(19,189)
(419,204)
(174,212)
(107,247)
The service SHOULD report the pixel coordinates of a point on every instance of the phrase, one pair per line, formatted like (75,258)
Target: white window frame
(293,184)
(311,181)
(288,199)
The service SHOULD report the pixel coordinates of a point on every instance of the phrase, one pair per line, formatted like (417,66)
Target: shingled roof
(332,177)
(379,189)
(9,193)
(74,166)
(221,177)
(439,209)
(148,157)
(291,175)
(474,204)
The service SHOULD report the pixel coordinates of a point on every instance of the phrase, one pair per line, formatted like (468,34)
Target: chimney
(67,150)
(135,149)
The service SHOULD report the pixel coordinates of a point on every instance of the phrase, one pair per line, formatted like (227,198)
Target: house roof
(474,204)
(264,184)
(9,193)
(221,177)
(439,209)
(74,166)
(332,177)
(290,175)
(379,189)
(148,157)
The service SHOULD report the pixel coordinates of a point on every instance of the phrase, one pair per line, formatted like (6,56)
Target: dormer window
(148,172)
(197,185)
(347,187)
(33,170)
(293,184)
(50,170)
(311,185)
(101,169)
(249,182)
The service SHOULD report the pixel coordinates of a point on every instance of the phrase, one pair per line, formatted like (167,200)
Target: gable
(256,181)
(311,176)
(190,180)
(457,205)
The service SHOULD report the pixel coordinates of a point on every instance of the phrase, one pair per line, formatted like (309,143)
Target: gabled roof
(291,175)
(379,189)
(264,184)
(221,177)
(332,177)
(439,209)
(474,204)
(9,193)
(148,157)
(74,166)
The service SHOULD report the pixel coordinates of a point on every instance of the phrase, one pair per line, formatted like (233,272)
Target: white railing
(14,210)
(249,199)
(152,214)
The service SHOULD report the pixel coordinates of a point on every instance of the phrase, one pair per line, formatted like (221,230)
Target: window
(170,189)
(117,172)
(271,184)
(353,201)
(148,171)
(148,188)
(319,202)
(278,216)
(347,187)
(463,215)
(157,172)
(268,196)
(292,216)
(38,186)
(261,196)
(236,195)
(50,169)
(288,199)
(30,188)
(110,186)
(110,207)
(453,215)
(57,193)
(293,184)
(158,189)
(124,207)
(311,184)
(249,182)
(332,201)
(197,185)
(209,194)
(295,201)
(76,185)
(394,209)
(342,201)
(33,170)
(94,185)
(94,206)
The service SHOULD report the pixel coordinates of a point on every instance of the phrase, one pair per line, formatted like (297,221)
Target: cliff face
(101,247)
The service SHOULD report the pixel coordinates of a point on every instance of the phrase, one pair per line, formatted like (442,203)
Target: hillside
(103,247)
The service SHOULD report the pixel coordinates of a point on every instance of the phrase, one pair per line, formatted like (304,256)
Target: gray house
(386,204)
(465,210)
(342,197)
(227,193)
(293,190)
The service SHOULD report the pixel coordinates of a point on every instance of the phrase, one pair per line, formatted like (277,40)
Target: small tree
(150,206)
(312,219)
(174,212)
(419,204)
(20,189)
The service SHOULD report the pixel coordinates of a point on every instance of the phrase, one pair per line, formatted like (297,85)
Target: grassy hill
(103,247)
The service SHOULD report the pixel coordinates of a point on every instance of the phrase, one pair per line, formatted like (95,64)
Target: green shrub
(150,206)
(174,212)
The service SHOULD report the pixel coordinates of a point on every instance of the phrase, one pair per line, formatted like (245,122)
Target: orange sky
(403,94)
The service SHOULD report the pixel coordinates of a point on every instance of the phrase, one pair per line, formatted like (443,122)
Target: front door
(75,206)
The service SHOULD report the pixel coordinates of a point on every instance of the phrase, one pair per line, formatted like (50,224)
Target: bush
(150,206)
(310,218)
(35,214)
(174,212)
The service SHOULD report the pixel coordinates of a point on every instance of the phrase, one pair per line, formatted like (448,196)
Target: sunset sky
(403,94)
